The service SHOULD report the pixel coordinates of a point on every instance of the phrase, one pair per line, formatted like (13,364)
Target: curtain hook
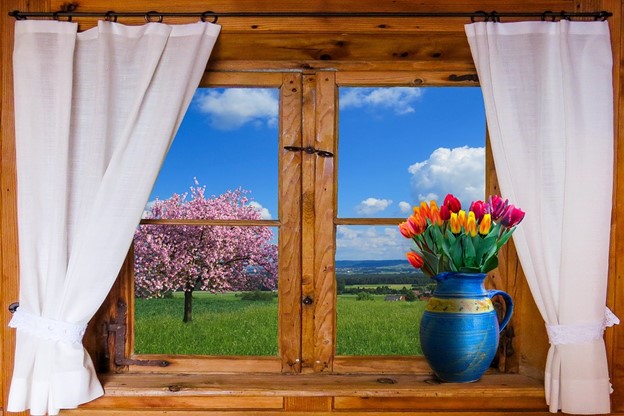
(110,16)
(207,14)
(479,13)
(153,14)
(495,17)
(564,16)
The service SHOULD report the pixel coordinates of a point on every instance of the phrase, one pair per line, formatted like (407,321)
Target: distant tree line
(382,279)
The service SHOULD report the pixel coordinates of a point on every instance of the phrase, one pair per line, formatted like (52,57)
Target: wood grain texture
(324,201)
(307,404)
(290,246)
(308,214)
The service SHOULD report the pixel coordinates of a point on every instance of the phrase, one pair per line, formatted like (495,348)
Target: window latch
(309,150)
(117,329)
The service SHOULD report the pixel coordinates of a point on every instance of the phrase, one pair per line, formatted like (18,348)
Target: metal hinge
(117,329)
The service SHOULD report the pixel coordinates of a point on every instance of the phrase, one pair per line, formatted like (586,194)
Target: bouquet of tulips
(447,238)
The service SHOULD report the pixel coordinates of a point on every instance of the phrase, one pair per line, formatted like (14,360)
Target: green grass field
(225,325)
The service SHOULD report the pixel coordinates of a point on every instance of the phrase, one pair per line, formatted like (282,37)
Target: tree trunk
(188,306)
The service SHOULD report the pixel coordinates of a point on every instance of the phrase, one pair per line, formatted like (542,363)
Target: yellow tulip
(462,218)
(455,224)
(471,224)
(486,224)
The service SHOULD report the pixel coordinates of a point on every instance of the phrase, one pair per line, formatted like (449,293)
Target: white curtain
(548,96)
(95,113)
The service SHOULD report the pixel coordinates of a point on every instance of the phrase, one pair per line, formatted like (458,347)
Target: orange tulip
(435,214)
(406,230)
(417,223)
(425,211)
(415,259)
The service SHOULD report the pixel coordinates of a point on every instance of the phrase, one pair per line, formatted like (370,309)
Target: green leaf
(469,251)
(456,254)
(490,264)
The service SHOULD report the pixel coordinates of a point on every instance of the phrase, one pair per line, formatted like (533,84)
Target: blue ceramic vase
(459,330)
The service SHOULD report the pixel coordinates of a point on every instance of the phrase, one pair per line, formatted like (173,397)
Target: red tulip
(479,208)
(445,213)
(415,259)
(512,216)
(452,203)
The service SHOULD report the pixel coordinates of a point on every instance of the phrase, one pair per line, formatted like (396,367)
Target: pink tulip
(497,206)
(512,216)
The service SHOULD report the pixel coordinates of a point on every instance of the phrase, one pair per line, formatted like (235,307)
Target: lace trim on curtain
(580,333)
(48,329)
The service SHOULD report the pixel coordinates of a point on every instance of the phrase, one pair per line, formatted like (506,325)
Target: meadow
(223,324)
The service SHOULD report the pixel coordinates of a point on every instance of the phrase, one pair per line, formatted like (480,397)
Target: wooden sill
(342,392)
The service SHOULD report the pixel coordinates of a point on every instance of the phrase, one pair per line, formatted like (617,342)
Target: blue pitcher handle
(508,306)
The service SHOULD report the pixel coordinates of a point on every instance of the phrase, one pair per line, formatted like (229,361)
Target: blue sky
(397,146)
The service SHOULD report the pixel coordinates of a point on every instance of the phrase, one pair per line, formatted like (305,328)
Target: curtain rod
(155,16)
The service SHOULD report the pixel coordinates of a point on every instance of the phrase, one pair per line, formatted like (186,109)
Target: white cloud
(264,212)
(370,243)
(372,205)
(148,208)
(459,171)
(234,107)
(405,207)
(397,99)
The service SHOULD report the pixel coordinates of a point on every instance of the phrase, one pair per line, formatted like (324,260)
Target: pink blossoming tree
(212,258)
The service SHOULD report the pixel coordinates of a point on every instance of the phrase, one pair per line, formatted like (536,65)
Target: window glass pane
(221,165)
(227,140)
(401,145)
(206,290)
(397,147)
(380,301)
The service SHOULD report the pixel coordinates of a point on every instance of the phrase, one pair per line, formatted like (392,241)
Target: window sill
(335,392)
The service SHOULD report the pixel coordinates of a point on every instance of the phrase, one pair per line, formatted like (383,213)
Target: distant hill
(349,267)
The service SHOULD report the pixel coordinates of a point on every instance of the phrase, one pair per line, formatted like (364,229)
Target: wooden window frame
(341,45)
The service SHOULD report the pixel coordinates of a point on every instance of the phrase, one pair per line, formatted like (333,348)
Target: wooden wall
(433,48)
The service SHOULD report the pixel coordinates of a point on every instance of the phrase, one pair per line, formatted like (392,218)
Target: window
(323,208)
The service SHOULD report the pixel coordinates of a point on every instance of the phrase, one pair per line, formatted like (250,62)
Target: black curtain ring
(495,17)
(207,14)
(110,16)
(153,14)
(479,13)
(564,16)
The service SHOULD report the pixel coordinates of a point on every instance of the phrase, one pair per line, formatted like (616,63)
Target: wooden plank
(258,80)
(422,77)
(325,232)
(458,403)
(261,223)
(307,404)
(186,403)
(323,5)
(316,385)
(368,221)
(290,246)
(197,364)
(381,365)
(308,236)
(144,412)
